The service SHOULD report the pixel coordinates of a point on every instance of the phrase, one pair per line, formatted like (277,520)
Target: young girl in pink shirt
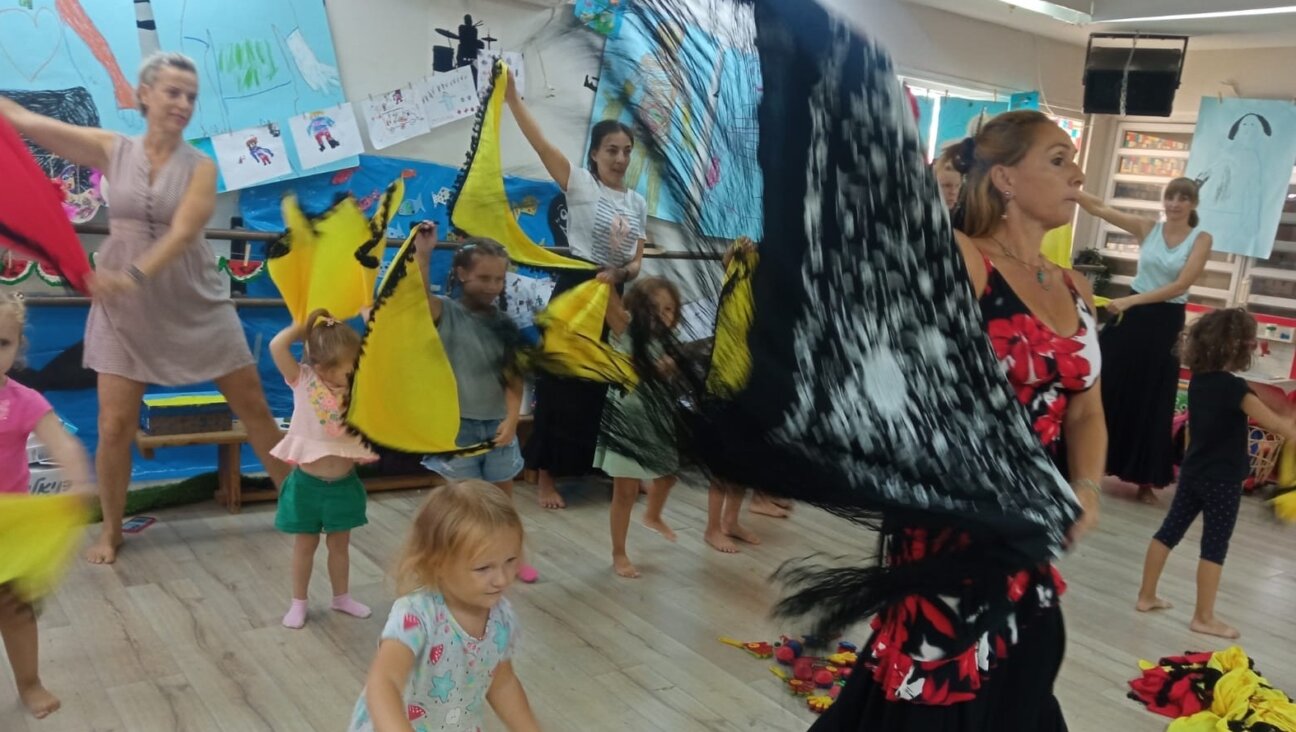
(24,411)
(323,494)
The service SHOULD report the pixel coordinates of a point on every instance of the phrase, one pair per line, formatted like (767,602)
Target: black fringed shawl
(873,392)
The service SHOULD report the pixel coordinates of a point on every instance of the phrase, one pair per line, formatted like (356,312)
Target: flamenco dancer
(878,391)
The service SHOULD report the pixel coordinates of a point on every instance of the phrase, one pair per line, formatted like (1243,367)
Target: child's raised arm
(424,244)
(509,700)
(281,351)
(385,687)
(66,450)
(1267,418)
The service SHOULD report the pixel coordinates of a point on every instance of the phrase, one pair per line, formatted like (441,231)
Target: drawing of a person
(263,155)
(1233,183)
(321,128)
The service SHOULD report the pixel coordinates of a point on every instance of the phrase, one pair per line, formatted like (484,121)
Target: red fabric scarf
(32,221)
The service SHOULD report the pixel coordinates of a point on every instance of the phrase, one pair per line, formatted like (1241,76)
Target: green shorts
(310,505)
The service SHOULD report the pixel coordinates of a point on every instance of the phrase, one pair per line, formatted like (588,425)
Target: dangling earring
(1008,197)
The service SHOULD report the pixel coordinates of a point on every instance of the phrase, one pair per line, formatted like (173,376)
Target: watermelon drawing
(415,712)
(411,621)
(437,651)
(16,270)
(49,275)
(241,271)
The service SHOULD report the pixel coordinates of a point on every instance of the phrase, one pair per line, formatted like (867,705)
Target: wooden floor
(183,633)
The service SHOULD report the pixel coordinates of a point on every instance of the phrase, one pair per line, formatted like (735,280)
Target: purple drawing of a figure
(260,154)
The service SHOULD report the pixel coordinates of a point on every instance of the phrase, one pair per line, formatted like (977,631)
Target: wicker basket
(1263,447)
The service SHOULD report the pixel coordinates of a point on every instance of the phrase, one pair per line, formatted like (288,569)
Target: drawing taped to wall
(326,135)
(959,118)
(601,16)
(449,97)
(66,44)
(486,65)
(251,156)
(65,59)
(257,61)
(1242,155)
(396,116)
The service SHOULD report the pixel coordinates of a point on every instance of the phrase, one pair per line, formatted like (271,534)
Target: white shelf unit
(1147,156)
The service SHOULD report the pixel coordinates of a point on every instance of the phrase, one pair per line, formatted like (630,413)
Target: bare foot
(660,527)
(550,498)
(720,541)
(1155,603)
(768,507)
(743,534)
(1214,626)
(104,550)
(621,564)
(1146,496)
(38,701)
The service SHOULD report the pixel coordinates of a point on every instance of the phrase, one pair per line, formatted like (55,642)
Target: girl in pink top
(24,411)
(323,494)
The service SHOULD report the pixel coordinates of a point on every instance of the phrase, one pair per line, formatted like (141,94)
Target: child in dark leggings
(1210,480)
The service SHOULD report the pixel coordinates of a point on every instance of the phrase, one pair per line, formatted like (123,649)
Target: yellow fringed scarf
(320,267)
(403,393)
(572,325)
(38,535)
(481,207)
(731,357)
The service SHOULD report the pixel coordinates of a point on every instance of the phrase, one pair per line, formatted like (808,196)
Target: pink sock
(296,617)
(344,604)
(528,574)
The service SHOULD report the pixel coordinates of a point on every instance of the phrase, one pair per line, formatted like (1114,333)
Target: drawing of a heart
(34,37)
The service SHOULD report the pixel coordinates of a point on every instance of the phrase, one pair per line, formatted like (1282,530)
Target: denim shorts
(496,466)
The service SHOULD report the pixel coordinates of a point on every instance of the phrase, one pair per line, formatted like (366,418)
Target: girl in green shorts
(322,495)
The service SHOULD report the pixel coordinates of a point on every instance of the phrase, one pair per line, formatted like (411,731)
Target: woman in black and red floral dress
(876,384)
(983,655)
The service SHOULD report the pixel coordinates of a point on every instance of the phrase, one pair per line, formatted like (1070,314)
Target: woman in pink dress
(161,313)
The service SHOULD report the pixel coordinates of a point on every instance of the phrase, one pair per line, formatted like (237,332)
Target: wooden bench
(229,476)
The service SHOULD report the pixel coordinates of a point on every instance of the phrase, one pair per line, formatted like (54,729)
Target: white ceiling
(1258,31)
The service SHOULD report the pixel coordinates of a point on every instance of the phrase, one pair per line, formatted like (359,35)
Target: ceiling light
(1205,14)
(1053,10)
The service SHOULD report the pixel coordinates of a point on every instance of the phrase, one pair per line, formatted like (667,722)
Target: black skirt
(1016,697)
(1140,379)
(567,413)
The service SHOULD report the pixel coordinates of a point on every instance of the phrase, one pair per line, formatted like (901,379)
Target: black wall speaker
(443,59)
(1146,68)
